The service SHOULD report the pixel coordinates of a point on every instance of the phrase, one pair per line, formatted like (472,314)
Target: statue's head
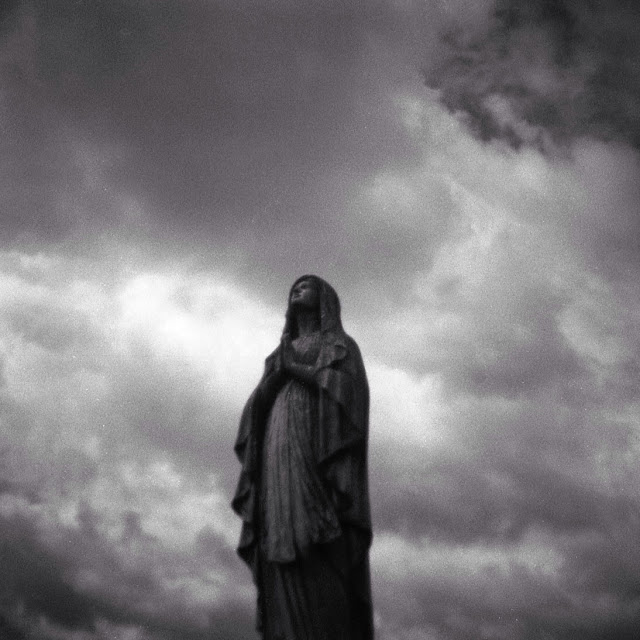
(305,293)
(310,292)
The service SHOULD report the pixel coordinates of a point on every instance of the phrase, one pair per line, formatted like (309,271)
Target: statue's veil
(329,304)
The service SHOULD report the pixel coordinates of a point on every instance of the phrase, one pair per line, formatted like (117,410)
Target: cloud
(250,141)
(129,521)
(187,119)
(174,166)
(243,139)
(514,592)
(543,73)
(80,576)
(515,345)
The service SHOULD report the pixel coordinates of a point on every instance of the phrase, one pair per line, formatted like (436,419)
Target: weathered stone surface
(303,491)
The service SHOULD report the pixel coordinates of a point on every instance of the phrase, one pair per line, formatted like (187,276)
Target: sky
(465,173)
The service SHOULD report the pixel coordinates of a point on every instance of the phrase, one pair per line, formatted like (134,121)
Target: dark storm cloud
(42,182)
(546,581)
(226,120)
(80,578)
(521,605)
(495,497)
(546,71)
(35,577)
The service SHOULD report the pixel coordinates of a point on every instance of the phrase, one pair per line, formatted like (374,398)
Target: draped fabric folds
(303,492)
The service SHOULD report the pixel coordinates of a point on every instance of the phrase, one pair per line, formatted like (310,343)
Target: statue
(303,491)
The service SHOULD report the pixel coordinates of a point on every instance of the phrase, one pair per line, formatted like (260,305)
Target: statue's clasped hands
(288,364)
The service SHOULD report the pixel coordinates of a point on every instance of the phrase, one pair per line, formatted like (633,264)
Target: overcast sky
(465,173)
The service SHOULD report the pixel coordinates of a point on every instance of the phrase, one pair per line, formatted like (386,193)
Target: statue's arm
(272,381)
(302,372)
(269,387)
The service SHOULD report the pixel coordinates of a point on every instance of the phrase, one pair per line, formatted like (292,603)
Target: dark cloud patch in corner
(81,43)
(43,576)
(544,72)
(35,578)
(8,13)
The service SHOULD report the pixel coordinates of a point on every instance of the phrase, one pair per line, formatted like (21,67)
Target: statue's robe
(325,570)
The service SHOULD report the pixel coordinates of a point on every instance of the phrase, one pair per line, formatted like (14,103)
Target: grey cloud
(163,409)
(51,326)
(40,580)
(522,608)
(511,344)
(211,545)
(515,601)
(559,69)
(607,564)
(450,500)
(245,136)
(66,350)
(238,136)
(9,629)
(514,353)
(491,497)
(33,576)
(212,117)
(141,404)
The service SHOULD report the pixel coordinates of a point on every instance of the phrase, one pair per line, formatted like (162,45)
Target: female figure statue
(303,493)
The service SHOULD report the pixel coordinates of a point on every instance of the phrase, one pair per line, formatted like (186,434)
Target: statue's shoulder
(354,354)
(272,356)
(351,344)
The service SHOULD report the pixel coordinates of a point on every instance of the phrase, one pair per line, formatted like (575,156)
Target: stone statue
(303,493)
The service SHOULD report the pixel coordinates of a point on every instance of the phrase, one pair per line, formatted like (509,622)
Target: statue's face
(305,294)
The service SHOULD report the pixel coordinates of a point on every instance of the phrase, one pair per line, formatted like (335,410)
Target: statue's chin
(301,305)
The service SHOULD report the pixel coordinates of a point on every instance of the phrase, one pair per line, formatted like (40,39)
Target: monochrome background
(465,173)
